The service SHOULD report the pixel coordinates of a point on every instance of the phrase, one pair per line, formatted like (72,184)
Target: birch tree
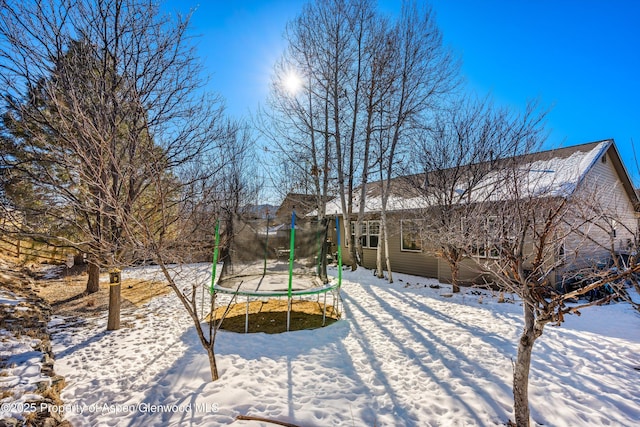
(423,74)
(365,79)
(320,121)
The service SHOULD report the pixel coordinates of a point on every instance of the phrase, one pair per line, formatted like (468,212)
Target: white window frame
(492,234)
(373,223)
(352,233)
(418,240)
(363,233)
(562,250)
(484,247)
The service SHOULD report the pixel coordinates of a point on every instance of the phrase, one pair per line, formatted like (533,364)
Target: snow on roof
(555,173)
(547,177)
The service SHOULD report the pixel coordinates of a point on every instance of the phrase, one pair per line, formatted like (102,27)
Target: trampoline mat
(273,285)
(270,283)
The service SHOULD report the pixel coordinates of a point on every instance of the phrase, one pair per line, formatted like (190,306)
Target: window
(614,227)
(494,253)
(374,233)
(479,250)
(493,237)
(464,227)
(363,232)
(352,235)
(562,251)
(488,247)
(410,230)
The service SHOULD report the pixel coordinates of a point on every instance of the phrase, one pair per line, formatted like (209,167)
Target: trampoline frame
(334,288)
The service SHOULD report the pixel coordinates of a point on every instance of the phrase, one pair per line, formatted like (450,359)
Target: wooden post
(113,321)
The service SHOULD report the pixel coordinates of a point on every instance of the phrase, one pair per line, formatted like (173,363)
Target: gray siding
(602,187)
(409,262)
(468,272)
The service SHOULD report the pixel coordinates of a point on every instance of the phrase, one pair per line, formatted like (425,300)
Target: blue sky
(580,58)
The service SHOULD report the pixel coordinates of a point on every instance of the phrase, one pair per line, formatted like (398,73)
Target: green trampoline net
(278,255)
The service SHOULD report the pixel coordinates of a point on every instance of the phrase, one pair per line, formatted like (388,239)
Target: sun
(292,82)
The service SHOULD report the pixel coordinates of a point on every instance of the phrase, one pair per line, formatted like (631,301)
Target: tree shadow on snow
(430,344)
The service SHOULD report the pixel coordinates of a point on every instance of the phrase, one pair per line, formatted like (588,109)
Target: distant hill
(261,211)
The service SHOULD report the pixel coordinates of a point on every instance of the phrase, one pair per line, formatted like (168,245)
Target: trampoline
(276,257)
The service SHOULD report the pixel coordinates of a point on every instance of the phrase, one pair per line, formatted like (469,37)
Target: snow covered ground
(403,355)
(20,361)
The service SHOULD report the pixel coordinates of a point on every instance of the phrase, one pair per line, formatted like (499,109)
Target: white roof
(555,176)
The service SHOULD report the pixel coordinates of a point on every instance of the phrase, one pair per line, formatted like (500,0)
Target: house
(301,203)
(592,171)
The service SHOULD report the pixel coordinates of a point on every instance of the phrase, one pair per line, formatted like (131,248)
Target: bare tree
(326,49)
(207,195)
(605,220)
(104,112)
(371,84)
(297,119)
(517,237)
(522,219)
(512,244)
(459,151)
(422,72)
(364,80)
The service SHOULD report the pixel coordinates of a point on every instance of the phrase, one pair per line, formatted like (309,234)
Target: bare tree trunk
(379,269)
(353,252)
(455,271)
(190,304)
(93,281)
(213,366)
(357,247)
(383,225)
(522,367)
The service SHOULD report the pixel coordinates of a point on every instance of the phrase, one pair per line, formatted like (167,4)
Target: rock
(32,319)
(57,382)
(9,422)
(42,386)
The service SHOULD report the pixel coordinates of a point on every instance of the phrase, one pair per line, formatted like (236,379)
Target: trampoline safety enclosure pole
(339,252)
(291,257)
(266,247)
(337,302)
(214,264)
(215,254)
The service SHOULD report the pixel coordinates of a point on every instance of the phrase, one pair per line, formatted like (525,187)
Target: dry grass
(270,316)
(140,292)
(66,296)
(53,392)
